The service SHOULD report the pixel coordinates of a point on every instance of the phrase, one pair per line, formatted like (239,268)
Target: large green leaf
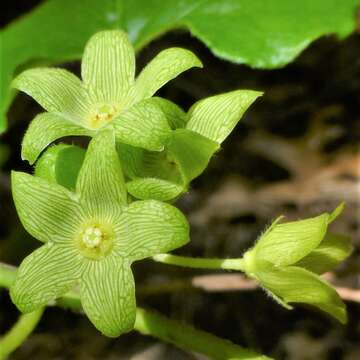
(262,33)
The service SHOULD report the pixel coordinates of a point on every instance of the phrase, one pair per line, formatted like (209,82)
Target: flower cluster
(162,148)
(99,211)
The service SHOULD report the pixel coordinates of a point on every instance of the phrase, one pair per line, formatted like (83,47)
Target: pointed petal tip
(196,62)
(109,32)
(342,317)
(15,296)
(115,333)
(14,299)
(249,92)
(337,212)
(258,93)
(27,157)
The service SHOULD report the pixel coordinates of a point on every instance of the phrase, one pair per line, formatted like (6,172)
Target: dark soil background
(295,152)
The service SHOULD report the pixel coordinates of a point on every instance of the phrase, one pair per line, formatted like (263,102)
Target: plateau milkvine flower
(107,95)
(91,237)
(288,259)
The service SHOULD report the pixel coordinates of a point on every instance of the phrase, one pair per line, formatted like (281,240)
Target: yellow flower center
(92,237)
(103,115)
(95,239)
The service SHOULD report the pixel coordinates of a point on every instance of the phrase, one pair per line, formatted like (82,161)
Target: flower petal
(152,188)
(215,117)
(150,227)
(47,211)
(296,285)
(330,253)
(45,275)
(56,90)
(108,296)
(285,244)
(143,125)
(167,65)
(100,183)
(43,130)
(108,66)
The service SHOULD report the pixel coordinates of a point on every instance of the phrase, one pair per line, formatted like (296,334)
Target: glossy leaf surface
(263,33)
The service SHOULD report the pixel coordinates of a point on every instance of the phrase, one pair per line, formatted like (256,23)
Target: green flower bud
(288,257)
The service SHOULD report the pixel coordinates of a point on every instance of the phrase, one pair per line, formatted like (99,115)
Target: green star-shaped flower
(107,94)
(91,236)
(288,259)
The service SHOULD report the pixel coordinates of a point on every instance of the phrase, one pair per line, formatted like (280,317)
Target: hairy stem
(158,326)
(19,332)
(200,263)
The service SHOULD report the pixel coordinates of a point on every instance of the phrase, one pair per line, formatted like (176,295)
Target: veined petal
(296,285)
(153,188)
(100,183)
(47,211)
(215,117)
(45,275)
(167,65)
(175,116)
(108,66)
(108,295)
(43,130)
(56,90)
(143,125)
(285,244)
(150,227)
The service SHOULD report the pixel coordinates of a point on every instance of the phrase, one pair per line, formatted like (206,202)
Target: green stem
(156,325)
(189,338)
(19,332)
(7,275)
(200,263)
